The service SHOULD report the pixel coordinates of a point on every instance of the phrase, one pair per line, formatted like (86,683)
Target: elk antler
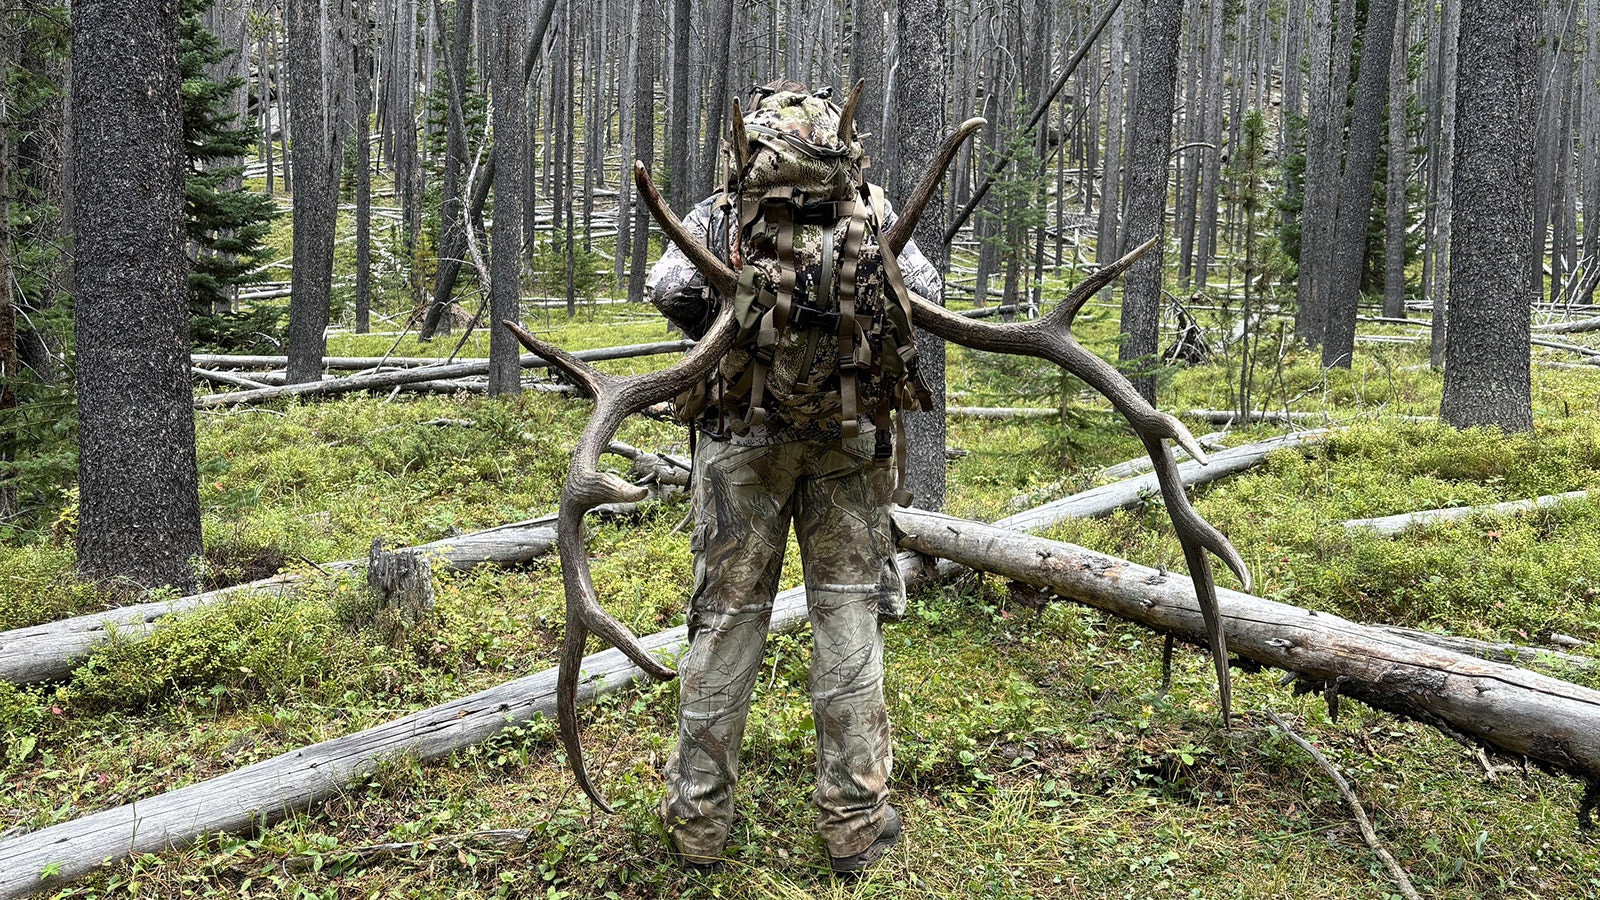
(1051,338)
(587,487)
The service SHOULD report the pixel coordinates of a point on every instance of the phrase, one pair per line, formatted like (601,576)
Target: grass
(1035,755)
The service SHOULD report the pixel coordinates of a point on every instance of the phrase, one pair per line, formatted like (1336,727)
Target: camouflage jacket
(680,292)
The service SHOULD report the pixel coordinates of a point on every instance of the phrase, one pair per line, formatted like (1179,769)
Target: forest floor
(1035,754)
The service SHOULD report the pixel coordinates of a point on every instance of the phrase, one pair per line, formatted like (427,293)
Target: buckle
(802,316)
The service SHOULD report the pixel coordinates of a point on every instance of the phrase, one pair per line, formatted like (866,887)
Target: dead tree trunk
(402,582)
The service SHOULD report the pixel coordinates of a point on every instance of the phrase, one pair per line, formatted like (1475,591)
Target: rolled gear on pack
(826,341)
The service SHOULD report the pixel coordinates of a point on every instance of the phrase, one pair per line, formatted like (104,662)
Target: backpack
(824,317)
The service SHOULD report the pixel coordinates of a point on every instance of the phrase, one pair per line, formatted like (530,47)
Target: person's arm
(920,276)
(677,288)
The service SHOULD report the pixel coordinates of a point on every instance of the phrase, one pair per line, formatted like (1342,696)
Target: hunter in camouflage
(749,485)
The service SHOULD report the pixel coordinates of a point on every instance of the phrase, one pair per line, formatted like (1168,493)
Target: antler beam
(1050,338)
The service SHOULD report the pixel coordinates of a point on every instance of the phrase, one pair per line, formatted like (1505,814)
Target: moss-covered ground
(1035,754)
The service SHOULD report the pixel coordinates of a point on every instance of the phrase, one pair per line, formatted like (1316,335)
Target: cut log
(384,380)
(1504,708)
(1404,521)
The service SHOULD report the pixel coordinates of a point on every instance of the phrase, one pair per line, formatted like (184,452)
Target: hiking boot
(690,865)
(886,839)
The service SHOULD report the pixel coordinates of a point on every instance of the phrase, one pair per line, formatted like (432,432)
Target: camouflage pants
(744,499)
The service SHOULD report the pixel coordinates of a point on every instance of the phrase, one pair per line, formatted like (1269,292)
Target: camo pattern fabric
(679,290)
(744,499)
(802,397)
(821,167)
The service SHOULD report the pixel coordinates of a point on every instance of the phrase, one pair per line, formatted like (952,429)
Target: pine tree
(226,223)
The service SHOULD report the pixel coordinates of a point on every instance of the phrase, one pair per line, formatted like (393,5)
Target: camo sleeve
(677,288)
(920,275)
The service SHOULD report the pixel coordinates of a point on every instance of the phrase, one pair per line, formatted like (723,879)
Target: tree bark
(452,224)
(1443,190)
(1355,191)
(1149,145)
(316,134)
(1487,378)
(1211,167)
(505,254)
(678,115)
(362,137)
(1332,35)
(920,30)
(1394,256)
(139,513)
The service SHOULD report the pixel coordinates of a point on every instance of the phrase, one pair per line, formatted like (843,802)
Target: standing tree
(1343,293)
(1149,144)
(1486,377)
(510,138)
(316,96)
(920,26)
(226,223)
(139,517)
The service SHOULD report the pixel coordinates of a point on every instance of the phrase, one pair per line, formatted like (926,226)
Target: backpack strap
(850,351)
(913,392)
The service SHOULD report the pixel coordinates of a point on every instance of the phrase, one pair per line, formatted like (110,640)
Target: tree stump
(402,582)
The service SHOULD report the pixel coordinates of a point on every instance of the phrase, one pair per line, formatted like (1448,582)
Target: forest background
(1372,210)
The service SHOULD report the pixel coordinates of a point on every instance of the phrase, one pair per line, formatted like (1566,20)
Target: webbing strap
(849,378)
(916,395)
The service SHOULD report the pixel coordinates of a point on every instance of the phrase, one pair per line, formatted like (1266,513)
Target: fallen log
(1499,651)
(1506,709)
(227,378)
(1398,523)
(1274,417)
(361,363)
(1002,412)
(52,650)
(1139,464)
(1121,494)
(380,380)
(1567,348)
(1574,327)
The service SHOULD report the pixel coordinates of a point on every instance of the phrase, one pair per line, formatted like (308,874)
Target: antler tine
(847,117)
(717,273)
(615,399)
(900,234)
(1050,338)
(1072,304)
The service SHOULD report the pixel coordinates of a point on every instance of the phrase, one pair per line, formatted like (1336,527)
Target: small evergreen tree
(226,223)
